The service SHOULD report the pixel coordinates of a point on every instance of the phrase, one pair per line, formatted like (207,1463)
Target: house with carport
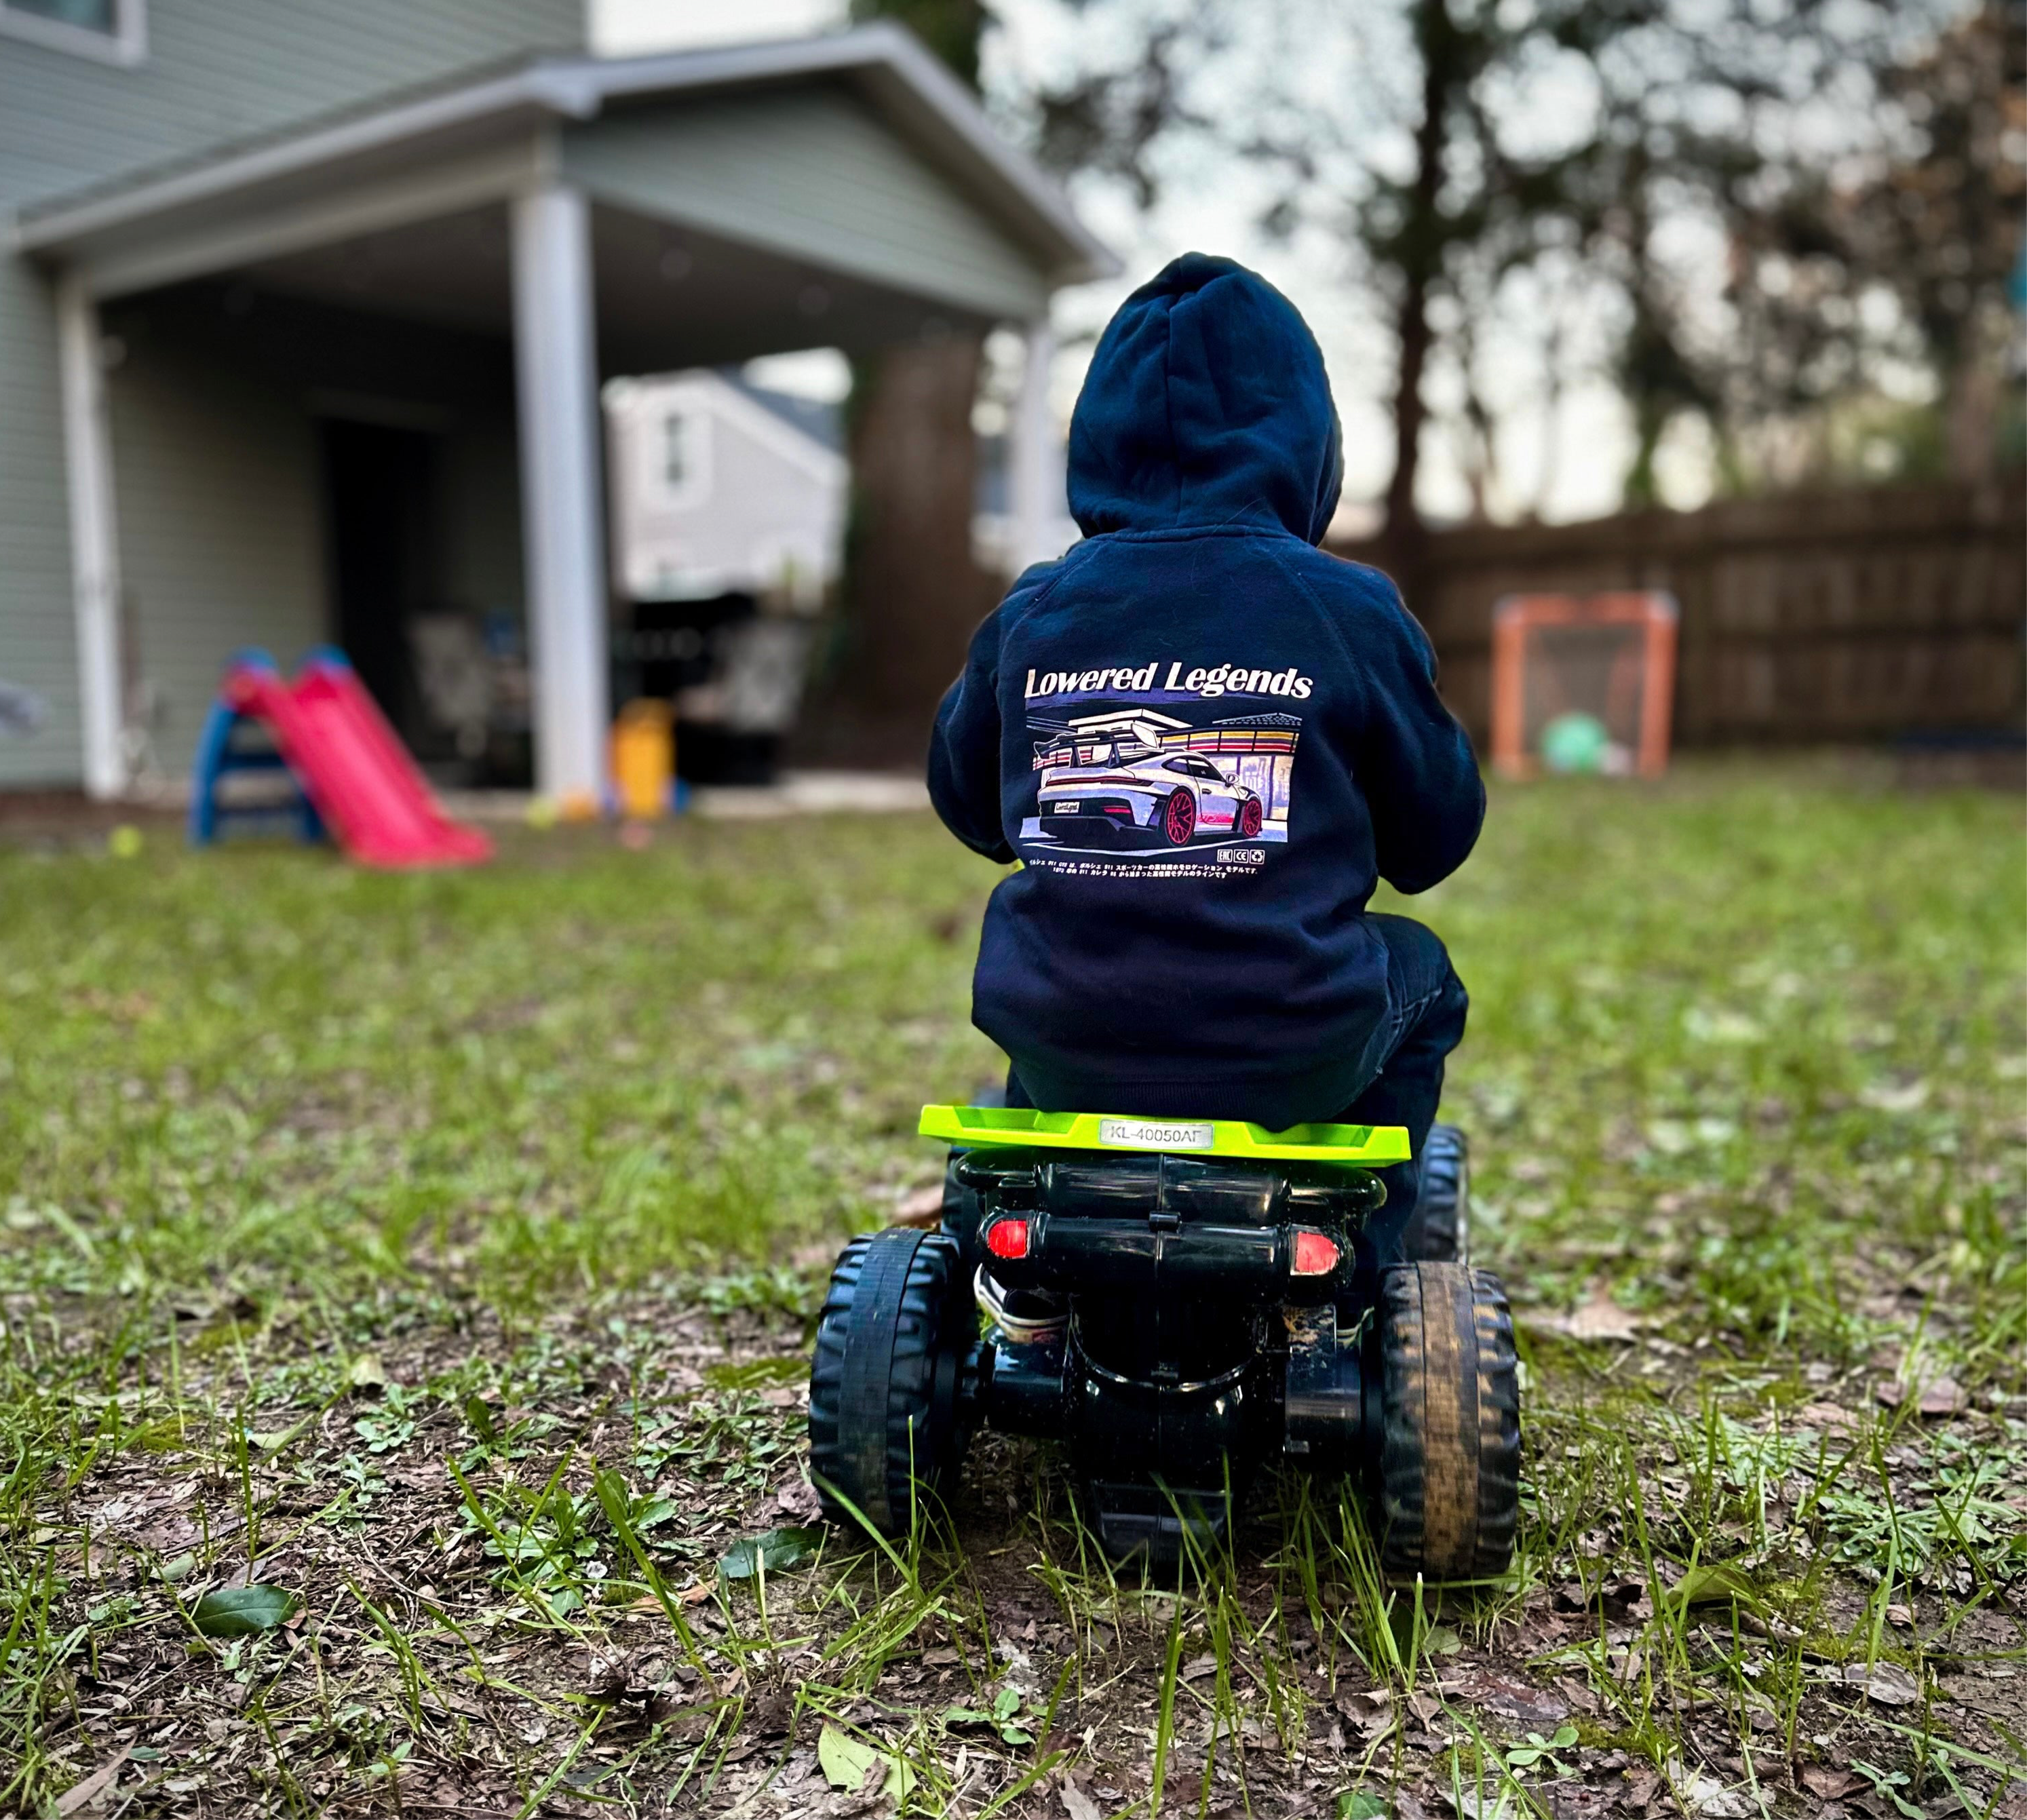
(306,312)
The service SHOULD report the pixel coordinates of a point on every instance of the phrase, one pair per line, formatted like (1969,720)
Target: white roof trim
(578,89)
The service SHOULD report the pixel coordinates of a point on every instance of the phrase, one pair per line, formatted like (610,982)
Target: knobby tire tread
(1450,1449)
(875,1429)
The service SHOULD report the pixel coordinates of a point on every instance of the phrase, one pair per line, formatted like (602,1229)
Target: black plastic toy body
(1177,1320)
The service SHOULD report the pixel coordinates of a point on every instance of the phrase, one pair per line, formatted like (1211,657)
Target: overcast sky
(1212,211)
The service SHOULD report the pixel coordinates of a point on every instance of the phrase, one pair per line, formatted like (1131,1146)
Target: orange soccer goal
(1582,683)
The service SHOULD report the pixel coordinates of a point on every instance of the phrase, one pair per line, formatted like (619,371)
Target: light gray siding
(215,405)
(814,173)
(216,70)
(38,633)
(218,528)
(220,70)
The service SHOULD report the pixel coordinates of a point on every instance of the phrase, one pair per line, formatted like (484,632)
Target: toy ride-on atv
(1177,1302)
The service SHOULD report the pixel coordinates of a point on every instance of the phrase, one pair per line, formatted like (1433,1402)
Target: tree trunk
(1443,59)
(1403,529)
(912,594)
(1971,396)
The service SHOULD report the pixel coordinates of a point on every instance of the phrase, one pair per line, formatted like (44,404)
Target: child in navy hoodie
(1206,741)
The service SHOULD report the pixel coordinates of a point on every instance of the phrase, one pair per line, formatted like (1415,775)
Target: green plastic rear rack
(1361,1147)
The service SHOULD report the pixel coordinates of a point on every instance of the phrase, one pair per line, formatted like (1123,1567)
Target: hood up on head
(1205,404)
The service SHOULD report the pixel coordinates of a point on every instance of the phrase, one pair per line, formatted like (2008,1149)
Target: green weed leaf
(1715,1584)
(241,1610)
(365,1373)
(846,1763)
(777,1551)
(1888,1785)
(1356,1804)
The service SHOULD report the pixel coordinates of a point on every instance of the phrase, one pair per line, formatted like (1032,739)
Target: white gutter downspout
(94,541)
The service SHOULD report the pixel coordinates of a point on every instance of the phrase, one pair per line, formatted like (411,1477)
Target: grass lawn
(439,1252)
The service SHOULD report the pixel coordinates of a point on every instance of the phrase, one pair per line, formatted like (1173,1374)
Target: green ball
(1574,742)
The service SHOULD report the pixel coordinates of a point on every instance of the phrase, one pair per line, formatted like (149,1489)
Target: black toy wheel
(1439,1229)
(884,1416)
(1450,1465)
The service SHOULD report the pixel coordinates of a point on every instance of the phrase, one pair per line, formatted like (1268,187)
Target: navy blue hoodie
(1205,739)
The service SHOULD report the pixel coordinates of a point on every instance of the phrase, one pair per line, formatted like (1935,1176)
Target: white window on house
(678,464)
(683,456)
(113,30)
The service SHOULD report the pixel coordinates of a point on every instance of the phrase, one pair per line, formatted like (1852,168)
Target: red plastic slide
(351,766)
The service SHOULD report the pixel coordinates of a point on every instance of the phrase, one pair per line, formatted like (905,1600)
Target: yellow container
(644,759)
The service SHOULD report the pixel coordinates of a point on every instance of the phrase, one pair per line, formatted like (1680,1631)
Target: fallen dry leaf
(1831,1784)
(1078,1805)
(798,1499)
(1597,1317)
(1935,1397)
(1943,1396)
(1371,1714)
(91,1791)
(607,1677)
(1532,1708)
(1886,1682)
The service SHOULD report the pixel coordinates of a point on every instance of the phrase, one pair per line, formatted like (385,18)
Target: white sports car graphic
(1170,800)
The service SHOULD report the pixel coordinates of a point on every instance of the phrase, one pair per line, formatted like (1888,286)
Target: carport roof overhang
(742,145)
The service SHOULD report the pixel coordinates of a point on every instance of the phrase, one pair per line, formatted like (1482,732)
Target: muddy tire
(884,1407)
(1438,1231)
(1450,1466)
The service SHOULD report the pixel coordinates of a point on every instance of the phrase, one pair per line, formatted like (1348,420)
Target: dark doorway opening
(380,494)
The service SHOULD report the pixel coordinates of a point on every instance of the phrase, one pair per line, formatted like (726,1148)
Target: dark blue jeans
(1426,1006)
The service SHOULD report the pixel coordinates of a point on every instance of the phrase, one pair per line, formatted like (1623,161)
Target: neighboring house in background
(1001,543)
(119,604)
(721,488)
(304,311)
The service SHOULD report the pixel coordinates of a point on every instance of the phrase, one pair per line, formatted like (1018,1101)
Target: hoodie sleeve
(964,749)
(1418,772)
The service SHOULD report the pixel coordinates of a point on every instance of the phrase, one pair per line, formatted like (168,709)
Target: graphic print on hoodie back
(1205,739)
(1130,775)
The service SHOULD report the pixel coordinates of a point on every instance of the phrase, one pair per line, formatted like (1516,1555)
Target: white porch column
(556,373)
(94,543)
(1034,483)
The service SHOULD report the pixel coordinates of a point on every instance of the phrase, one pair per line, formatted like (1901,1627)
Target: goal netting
(1582,683)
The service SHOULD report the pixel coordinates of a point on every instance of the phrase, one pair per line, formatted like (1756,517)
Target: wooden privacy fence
(1849,616)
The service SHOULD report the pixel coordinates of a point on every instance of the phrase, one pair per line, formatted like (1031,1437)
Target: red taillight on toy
(1008,1239)
(1316,1253)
